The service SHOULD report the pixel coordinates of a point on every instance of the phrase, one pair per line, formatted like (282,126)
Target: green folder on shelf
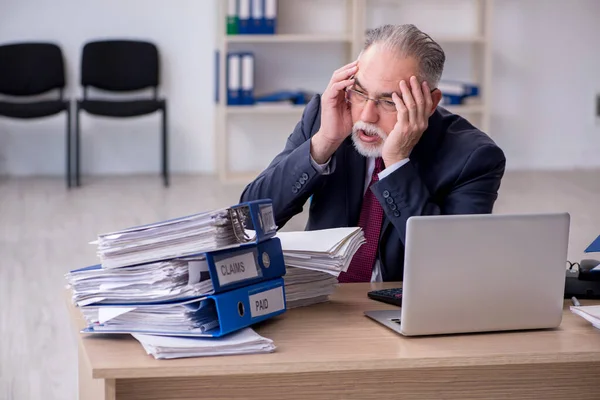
(232,24)
(232,17)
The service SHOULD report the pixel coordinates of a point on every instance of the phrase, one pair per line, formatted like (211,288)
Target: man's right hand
(336,119)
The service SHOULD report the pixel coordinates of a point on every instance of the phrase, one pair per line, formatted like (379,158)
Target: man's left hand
(414,109)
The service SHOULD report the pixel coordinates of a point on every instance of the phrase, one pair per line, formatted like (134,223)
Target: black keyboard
(390,296)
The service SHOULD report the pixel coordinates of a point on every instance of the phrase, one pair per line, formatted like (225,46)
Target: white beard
(366,149)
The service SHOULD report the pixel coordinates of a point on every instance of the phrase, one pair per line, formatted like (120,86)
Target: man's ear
(436,97)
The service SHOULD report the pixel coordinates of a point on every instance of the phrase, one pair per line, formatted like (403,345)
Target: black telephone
(583,280)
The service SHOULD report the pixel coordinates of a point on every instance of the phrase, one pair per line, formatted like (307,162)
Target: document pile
(245,341)
(589,313)
(196,276)
(208,231)
(314,260)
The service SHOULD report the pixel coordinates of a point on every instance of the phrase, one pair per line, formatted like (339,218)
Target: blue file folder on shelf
(244,13)
(179,279)
(247,81)
(257,17)
(270,15)
(234,78)
(210,316)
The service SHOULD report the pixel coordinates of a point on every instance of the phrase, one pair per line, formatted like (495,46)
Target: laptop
(481,273)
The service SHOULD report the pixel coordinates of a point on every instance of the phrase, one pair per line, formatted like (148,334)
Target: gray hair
(408,41)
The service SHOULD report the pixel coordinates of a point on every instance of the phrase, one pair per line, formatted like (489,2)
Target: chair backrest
(31,68)
(120,65)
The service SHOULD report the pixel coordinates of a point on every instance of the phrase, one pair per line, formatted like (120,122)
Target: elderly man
(375,149)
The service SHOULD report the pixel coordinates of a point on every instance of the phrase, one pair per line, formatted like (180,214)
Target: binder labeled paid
(207,231)
(209,316)
(178,279)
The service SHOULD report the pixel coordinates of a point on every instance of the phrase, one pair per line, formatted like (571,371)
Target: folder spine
(257,17)
(247,81)
(244,12)
(230,269)
(248,305)
(257,215)
(232,17)
(234,65)
(229,311)
(217,75)
(270,17)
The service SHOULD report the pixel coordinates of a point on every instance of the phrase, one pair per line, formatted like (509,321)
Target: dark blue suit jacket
(454,169)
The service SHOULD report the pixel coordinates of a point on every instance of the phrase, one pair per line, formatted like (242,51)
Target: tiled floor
(45,230)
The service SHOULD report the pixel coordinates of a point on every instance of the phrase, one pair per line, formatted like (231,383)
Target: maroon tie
(371,217)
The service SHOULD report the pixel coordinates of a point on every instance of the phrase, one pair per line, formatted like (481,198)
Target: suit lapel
(425,146)
(354,173)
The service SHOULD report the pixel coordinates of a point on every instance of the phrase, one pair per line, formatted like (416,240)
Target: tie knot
(378,165)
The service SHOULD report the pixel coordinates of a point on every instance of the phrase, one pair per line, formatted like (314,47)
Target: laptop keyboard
(390,296)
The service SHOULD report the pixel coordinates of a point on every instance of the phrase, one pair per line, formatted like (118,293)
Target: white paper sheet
(245,341)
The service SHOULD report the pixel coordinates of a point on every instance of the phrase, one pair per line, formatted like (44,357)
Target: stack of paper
(148,283)
(589,313)
(195,316)
(304,287)
(177,237)
(325,250)
(245,341)
(314,260)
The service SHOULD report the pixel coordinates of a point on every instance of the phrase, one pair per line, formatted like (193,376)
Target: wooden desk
(332,351)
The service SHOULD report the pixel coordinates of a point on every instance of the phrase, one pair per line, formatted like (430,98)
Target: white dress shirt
(325,170)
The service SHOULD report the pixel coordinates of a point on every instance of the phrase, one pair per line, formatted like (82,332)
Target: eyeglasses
(360,99)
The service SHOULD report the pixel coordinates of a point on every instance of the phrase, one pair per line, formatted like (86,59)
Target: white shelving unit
(288,38)
(351,38)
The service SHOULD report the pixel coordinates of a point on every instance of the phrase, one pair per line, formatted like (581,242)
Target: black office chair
(31,69)
(121,66)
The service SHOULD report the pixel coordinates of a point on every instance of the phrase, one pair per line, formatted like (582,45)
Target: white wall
(184,32)
(543,109)
(546,76)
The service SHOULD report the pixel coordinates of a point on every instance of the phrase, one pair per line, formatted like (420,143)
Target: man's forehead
(380,71)
(377,84)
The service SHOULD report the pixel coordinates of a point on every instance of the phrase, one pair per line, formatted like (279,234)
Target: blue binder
(257,17)
(208,273)
(229,225)
(270,14)
(231,269)
(234,78)
(244,12)
(256,215)
(247,81)
(216,315)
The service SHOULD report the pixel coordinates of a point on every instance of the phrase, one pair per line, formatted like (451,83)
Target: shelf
(288,38)
(266,109)
(465,109)
(280,109)
(459,39)
(334,38)
(349,41)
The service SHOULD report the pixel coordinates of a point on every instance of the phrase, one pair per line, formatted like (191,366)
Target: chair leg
(165,159)
(68,150)
(77,146)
